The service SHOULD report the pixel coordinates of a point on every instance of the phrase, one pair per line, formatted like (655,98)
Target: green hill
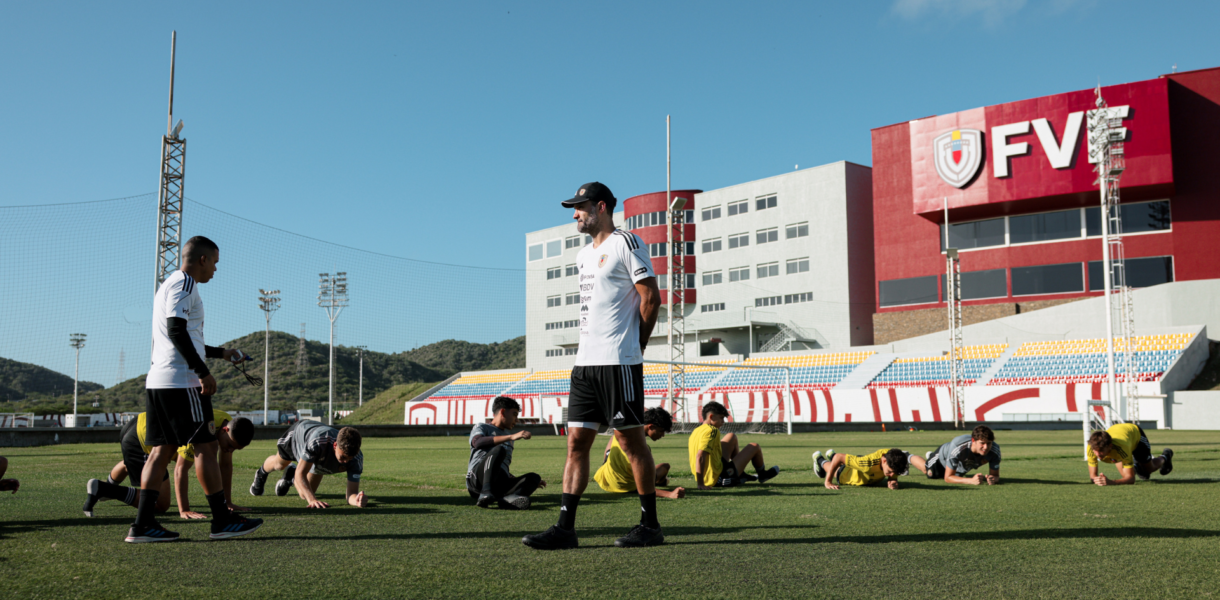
(25,381)
(453,356)
(387,407)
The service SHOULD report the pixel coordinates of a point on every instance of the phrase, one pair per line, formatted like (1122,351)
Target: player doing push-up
(318,449)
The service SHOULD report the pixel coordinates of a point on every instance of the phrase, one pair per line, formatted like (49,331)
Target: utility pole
(361,349)
(332,295)
(170,189)
(269,302)
(953,298)
(675,295)
(78,341)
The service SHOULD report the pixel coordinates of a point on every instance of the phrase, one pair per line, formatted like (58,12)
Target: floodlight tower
(361,349)
(332,295)
(170,189)
(953,299)
(676,307)
(269,302)
(77,340)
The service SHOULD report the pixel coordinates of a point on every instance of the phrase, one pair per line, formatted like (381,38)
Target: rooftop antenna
(170,188)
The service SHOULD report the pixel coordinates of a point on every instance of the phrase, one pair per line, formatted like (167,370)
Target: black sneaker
(1167,466)
(555,538)
(284,484)
(90,496)
(769,474)
(515,502)
(485,500)
(819,463)
(746,477)
(260,480)
(139,534)
(641,536)
(234,526)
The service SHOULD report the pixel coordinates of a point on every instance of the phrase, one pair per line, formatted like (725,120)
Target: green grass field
(1045,532)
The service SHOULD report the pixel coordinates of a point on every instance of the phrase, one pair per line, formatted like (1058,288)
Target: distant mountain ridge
(25,381)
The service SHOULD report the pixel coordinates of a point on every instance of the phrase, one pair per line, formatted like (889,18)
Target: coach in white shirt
(619,301)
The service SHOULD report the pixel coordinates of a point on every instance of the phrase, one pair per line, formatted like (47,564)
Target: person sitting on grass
(961,455)
(231,435)
(488,479)
(7,485)
(306,452)
(836,469)
(720,461)
(615,474)
(1125,445)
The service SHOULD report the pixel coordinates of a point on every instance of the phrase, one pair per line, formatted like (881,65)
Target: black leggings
(501,483)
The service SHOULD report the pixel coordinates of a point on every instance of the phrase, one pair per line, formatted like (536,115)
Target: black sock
(289,469)
(261,474)
(567,510)
(111,480)
(146,507)
(220,508)
(112,491)
(648,510)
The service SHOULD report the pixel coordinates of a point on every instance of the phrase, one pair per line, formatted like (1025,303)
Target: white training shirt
(178,296)
(609,303)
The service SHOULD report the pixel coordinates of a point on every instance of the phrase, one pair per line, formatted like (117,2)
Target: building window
(739,208)
(979,234)
(711,213)
(563,325)
(915,290)
(555,352)
(1044,227)
(572,242)
(769,301)
(765,202)
(1141,217)
(570,351)
(712,245)
(554,301)
(768,270)
(797,230)
(1047,279)
(534,253)
(554,273)
(712,278)
(1141,272)
(554,248)
(690,281)
(798,265)
(795,298)
(711,307)
(588,240)
(739,240)
(739,274)
(570,271)
(657,249)
(573,298)
(766,236)
(663,281)
(976,285)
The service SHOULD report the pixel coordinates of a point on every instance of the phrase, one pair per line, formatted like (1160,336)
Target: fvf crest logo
(958,154)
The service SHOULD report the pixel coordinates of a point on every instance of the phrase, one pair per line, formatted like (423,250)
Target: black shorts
(283,447)
(727,469)
(502,483)
(611,395)
(1142,455)
(134,457)
(935,469)
(179,416)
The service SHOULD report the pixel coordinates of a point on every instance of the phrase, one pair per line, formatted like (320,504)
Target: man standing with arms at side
(619,301)
(179,403)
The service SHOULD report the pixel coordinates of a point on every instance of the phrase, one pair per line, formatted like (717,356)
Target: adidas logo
(563,509)
(618,415)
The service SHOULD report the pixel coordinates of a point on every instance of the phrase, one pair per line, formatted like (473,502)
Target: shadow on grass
(973,536)
(583,532)
(1160,481)
(1018,480)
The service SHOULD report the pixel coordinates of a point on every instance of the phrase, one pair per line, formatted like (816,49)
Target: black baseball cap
(595,191)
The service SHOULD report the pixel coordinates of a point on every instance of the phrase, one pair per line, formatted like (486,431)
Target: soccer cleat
(641,536)
(256,488)
(769,474)
(283,485)
(233,527)
(555,538)
(138,534)
(515,502)
(746,477)
(90,496)
(818,463)
(1167,466)
(485,500)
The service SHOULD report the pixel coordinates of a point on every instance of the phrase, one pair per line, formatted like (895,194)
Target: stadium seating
(1084,361)
(544,383)
(933,371)
(808,371)
(479,385)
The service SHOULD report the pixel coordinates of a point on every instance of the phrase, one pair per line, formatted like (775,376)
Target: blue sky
(445,131)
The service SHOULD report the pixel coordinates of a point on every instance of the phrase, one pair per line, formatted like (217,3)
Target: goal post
(764,424)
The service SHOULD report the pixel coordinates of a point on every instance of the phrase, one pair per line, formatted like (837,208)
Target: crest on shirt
(212,427)
(601,262)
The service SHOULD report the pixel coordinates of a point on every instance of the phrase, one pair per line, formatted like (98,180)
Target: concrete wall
(1195,410)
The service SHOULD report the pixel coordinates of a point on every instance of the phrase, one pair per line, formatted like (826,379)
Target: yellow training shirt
(862,470)
(615,475)
(219,419)
(707,439)
(1125,436)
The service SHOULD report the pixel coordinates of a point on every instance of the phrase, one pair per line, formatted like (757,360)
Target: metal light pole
(78,341)
(332,295)
(269,302)
(361,349)
(170,190)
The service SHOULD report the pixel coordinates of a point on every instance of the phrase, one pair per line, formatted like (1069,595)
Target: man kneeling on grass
(720,461)
(1125,445)
(961,455)
(848,469)
(615,474)
(488,479)
(320,450)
